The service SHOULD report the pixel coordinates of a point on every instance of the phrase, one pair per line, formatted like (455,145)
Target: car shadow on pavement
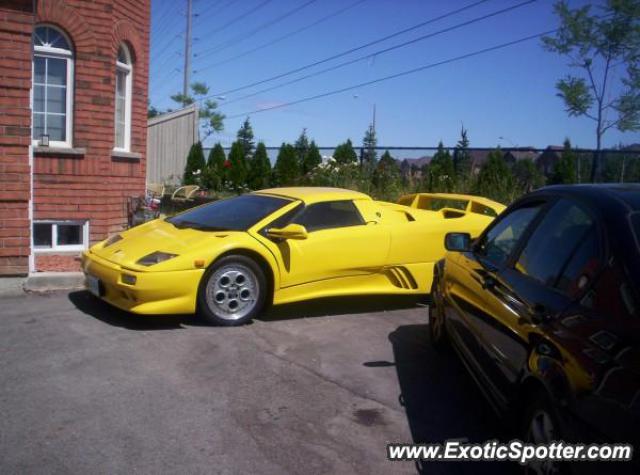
(100,310)
(351,305)
(441,401)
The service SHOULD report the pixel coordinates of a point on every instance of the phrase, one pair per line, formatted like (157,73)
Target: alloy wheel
(232,291)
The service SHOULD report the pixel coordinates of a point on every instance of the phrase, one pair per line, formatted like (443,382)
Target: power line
(211,7)
(357,48)
(283,37)
(162,23)
(233,41)
(397,75)
(163,49)
(240,17)
(383,51)
(220,10)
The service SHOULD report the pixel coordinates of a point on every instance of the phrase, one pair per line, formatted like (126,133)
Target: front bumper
(152,293)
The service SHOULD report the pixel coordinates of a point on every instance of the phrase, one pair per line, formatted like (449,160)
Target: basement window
(50,236)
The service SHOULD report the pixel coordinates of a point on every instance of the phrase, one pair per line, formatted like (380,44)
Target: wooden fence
(169,138)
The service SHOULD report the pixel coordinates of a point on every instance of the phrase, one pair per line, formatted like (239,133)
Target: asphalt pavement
(312,388)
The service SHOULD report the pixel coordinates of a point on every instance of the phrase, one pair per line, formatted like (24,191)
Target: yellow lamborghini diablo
(229,258)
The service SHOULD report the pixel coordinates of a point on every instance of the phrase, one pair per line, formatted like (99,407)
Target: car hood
(159,235)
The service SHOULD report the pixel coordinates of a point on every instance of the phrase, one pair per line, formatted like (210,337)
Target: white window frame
(59,53)
(126,68)
(55,248)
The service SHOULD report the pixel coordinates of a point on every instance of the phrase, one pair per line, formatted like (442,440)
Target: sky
(505,97)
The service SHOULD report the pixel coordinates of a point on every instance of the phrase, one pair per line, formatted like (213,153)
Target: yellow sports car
(230,258)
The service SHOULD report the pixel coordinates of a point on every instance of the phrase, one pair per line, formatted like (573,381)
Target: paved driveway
(318,387)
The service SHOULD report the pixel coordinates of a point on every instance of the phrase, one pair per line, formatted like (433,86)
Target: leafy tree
(595,45)
(287,167)
(152,111)
(312,158)
(245,137)
(462,160)
(344,153)
(195,165)
(564,172)
(215,173)
(495,179)
(369,154)
(211,120)
(237,170)
(260,170)
(527,175)
(441,172)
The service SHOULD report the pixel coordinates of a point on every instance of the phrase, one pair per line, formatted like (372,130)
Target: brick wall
(92,185)
(15,135)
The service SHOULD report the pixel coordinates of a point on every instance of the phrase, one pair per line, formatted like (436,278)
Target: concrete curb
(48,281)
(12,286)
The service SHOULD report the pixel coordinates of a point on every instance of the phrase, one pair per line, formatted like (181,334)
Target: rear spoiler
(453,205)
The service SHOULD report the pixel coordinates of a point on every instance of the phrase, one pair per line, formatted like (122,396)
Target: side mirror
(290,231)
(459,242)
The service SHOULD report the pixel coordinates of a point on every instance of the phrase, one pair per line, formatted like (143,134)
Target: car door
(599,334)
(527,289)
(485,309)
(339,244)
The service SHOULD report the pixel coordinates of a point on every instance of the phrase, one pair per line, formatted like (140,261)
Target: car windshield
(233,214)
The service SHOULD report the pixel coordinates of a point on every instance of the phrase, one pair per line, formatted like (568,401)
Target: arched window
(123,100)
(52,87)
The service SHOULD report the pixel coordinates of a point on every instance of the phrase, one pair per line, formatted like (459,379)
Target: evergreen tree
(564,172)
(195,165)
(237,170)
(369,154)
(462,160)
(344,153)
(245,137)
(441,172)
(215,174)
(302,146)
(312,158)
(260,170)
(287,167)
(527,176)
(495,179)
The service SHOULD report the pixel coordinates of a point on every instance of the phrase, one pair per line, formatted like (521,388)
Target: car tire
(437,329)
(541,425)
(232,291)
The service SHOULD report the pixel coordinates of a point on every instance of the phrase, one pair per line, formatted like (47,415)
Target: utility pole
(187,51)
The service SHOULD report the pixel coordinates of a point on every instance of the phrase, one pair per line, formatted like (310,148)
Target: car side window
(581,268)
(283,220)
(328,215)
(500,241)
(559,248)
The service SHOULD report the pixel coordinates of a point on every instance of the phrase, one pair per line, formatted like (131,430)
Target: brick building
(73,101)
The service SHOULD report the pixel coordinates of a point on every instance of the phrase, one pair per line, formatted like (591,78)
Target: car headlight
(112,240)
(155,258)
